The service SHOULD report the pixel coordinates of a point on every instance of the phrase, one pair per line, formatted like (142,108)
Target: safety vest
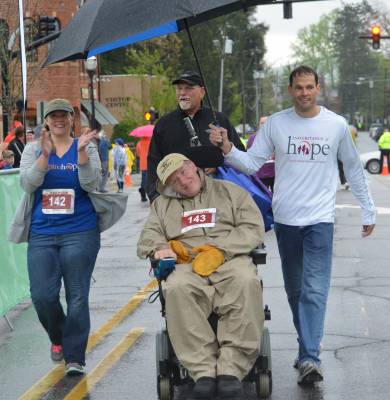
(384,141)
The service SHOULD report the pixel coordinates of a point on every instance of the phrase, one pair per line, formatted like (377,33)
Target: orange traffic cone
(128,179)
(385,168)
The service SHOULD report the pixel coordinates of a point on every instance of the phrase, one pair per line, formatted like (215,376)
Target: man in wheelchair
(209,226)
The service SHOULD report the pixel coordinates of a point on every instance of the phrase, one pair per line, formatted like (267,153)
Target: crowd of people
(207,225)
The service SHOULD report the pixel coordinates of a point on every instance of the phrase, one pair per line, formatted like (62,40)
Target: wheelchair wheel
(165,386)
(264,371)
(264,386)
(165,389)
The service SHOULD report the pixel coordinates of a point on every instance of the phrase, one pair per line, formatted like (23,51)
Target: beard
(185,105)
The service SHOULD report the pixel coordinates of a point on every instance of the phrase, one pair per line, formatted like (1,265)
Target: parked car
(371,161)
(375,131)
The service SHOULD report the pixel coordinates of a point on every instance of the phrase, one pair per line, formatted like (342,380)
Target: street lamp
(227,48)
(90,67)
(257,75)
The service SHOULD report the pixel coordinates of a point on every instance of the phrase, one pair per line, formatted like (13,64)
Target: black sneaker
(56,353)
(205,388)
(229,387)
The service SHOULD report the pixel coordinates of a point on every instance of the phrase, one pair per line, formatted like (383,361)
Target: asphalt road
(121,359)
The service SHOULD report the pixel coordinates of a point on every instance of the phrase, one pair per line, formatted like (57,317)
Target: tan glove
(208,260)
(183,257)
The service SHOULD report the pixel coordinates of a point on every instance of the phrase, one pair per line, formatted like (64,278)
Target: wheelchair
(170,372)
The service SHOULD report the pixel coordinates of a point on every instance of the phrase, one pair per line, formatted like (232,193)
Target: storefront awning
(102,115)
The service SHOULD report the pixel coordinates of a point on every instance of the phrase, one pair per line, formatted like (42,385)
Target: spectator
(142,150)
(8,160)
(384,146)
(104,148)
(120,160)
(17,145)
(267,171)
(11,135)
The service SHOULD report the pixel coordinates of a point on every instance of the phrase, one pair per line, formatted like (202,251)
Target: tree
(314,47)
(355,60)
(169,56)
(248,54)
(9,43)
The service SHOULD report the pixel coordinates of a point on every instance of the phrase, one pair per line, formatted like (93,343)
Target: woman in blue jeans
(62,227)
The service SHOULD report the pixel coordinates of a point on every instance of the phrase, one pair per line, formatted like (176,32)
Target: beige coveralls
(233,291)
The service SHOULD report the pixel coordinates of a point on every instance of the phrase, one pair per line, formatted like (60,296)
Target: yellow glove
(178,247)
(208,259)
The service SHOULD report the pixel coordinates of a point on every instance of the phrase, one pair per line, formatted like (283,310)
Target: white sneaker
(309,373)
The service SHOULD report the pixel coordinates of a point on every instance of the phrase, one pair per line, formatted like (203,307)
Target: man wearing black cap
(172,135)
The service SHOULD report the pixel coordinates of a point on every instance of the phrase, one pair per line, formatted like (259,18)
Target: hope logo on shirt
(306,147)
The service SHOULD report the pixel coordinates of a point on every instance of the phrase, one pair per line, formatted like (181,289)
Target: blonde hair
(8,154)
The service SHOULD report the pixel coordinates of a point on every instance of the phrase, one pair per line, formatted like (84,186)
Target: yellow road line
(89,381)
(51,378)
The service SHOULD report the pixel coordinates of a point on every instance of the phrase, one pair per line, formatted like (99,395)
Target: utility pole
(371,86)
(4,60)
(226,47)
(243,99)
(384,96)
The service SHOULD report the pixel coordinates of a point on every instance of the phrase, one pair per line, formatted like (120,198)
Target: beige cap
(169,164)
(58,105)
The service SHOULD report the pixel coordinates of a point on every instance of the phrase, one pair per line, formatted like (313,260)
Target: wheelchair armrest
(259,255)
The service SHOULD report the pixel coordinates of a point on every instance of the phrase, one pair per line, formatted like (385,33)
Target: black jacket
(17,146)
(170,135)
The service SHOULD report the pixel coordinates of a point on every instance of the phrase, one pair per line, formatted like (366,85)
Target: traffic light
(151,115)
(376,36)
(47,26)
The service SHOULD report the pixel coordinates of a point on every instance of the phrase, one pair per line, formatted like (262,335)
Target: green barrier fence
(14,285)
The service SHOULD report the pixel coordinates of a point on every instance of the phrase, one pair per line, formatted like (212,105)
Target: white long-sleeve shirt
(306,173)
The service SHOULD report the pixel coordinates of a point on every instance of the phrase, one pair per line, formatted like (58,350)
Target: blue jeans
(70,257)
(306,255)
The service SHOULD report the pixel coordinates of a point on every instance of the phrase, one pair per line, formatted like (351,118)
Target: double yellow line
(81,389)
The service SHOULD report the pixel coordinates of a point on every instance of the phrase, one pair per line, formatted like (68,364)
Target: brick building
(66,79)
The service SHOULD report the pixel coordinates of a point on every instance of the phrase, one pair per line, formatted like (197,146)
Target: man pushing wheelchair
(209,227)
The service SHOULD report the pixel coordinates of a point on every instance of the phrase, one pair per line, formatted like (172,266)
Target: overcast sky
(282,32)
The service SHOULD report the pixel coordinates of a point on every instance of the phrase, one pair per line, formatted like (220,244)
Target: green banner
(14,284)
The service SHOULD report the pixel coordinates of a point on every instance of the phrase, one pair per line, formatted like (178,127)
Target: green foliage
(122,131)
(315,47)
(168,56)
(354,57)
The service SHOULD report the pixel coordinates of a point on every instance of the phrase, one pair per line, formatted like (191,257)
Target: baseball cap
(58,105)
(169,164)
(190,77)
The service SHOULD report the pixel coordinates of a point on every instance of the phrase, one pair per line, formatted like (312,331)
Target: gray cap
(58,105)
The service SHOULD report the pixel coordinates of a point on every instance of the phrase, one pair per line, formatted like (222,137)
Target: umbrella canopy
(104,25)
(142,131)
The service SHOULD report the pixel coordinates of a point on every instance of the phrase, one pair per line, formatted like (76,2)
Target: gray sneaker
(296,361)
(309,373)
(74,369)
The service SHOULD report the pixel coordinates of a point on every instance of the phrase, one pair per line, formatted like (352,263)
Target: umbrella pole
(199,68)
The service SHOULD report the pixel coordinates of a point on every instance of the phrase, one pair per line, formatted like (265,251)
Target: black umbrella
(104,25)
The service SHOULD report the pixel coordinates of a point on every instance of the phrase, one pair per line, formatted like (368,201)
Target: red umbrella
(142,131)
